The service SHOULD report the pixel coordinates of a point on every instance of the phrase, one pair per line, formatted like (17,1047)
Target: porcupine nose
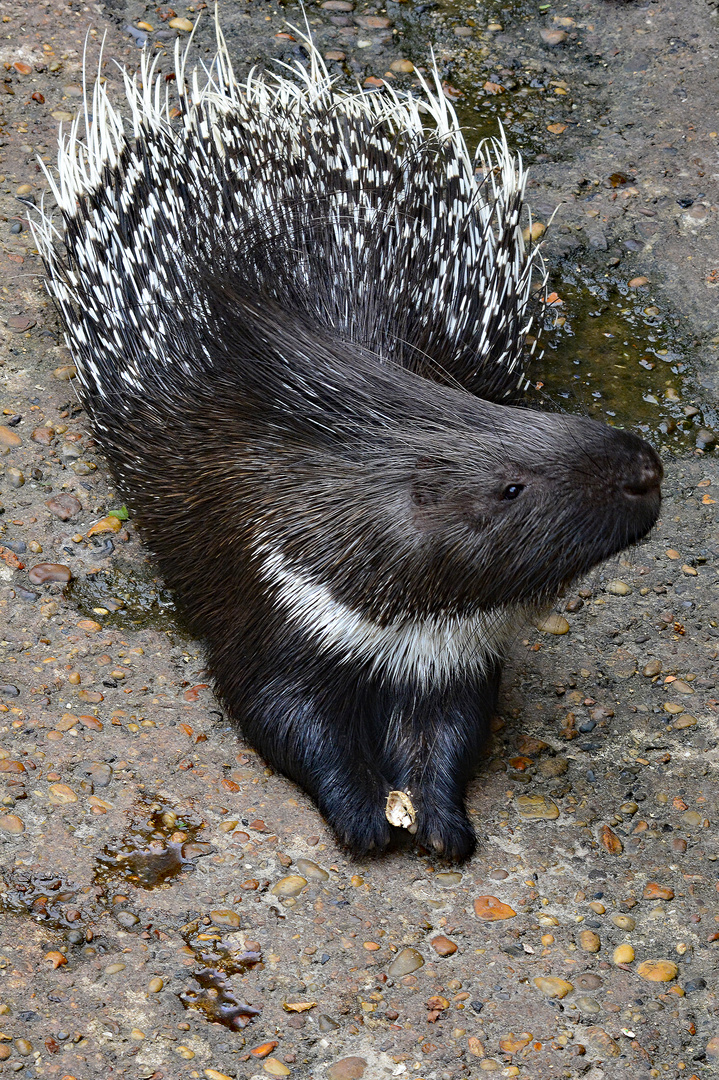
(644,477)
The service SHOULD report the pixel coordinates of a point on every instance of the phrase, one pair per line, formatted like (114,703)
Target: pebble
(552,987)
(185,1052)
(109,524)
(490,909)
(289,886)
(623,954)
(610,841)
(275,1068)
(654,667)
(349,1068)
(127,919)
(12,824)
(97,772)
(405,962)
(653,891)
(624,922)
(213,1074)
(311,870)
(227,918)
(601,1042)
(589,941)
(9,438)
(553,624)
(553,37)
(41,573)
(447,878)
(180,24)
(63,506)
(618,588)
(537,808)
(705,439)
(5,1051)
(658,970)
(24,1047)
(155,985)
(553,766)
(62,795)
(325,1023)
(15,477)
(263,1050)
(692,819)
(443,946)
(588,1004)
(114,969)
(65,372)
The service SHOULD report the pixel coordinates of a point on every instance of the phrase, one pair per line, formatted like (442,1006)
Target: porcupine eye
(512,491)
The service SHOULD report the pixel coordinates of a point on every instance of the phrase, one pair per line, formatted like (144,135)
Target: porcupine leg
(446,735)
(321,744)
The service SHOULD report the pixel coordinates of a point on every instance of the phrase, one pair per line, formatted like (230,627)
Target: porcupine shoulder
(299,320)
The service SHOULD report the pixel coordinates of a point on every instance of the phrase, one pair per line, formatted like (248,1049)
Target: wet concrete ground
(170,908)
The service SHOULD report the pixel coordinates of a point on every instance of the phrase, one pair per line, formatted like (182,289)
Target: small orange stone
(104,525)
(56,959)
(514,1043)
(490,909)
(476,1047)
(610,841)
(264,1049)
(653,891)
(90,722)
(443,946)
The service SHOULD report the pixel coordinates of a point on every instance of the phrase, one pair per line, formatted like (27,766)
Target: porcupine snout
(644,473)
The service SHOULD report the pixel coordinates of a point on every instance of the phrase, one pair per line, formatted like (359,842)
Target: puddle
(228,953)
(486,85)
(613,355)
(48,898)
(216,1000)
(154,851)
(125,599)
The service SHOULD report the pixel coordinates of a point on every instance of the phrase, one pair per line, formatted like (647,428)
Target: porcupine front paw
(357,817)
(446,830)
(363,829)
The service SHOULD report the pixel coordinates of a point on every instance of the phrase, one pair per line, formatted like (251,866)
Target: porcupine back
(364,212)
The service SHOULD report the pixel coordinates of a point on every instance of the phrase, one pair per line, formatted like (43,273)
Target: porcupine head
(313,377)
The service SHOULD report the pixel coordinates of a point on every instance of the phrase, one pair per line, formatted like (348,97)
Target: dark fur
(388,488)
(275,422)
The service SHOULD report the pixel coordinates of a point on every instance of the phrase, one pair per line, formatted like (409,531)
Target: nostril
(646,479)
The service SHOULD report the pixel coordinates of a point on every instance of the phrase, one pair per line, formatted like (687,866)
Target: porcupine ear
(428,483)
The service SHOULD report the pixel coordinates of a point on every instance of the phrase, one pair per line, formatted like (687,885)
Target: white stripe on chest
(426,651)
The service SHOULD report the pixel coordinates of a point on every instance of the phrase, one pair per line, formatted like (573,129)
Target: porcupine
(299,319)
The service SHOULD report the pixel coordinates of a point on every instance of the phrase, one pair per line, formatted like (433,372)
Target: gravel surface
(170,907)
